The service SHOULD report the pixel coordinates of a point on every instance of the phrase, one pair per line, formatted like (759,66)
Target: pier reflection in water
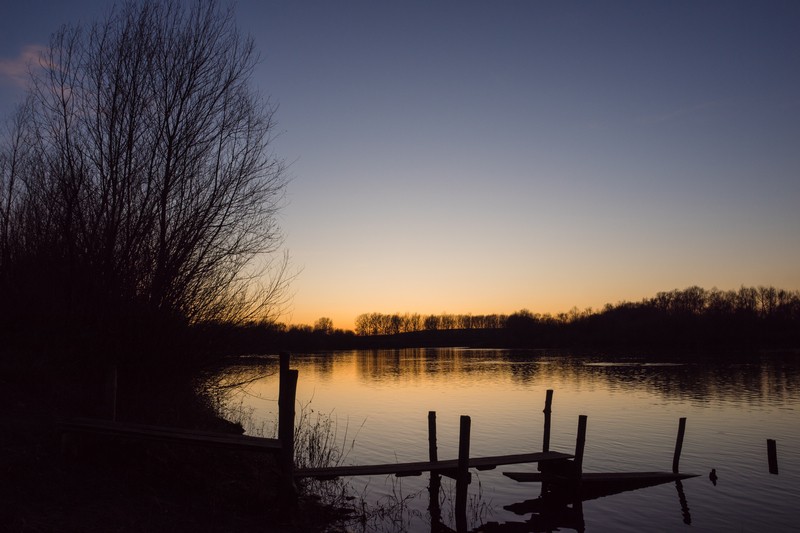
(732,404)
(551,511)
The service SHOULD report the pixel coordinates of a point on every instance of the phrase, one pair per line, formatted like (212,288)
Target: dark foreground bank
(126,485)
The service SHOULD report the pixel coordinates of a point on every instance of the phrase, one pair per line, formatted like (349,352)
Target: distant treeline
(693,318)
(690,318)
(380,324)
(762,303)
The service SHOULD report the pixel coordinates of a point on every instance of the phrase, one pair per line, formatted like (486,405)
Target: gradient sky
(477,157)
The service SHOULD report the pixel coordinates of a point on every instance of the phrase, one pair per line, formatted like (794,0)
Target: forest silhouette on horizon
(692,318)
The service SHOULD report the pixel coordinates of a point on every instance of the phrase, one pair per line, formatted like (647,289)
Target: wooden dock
(606,478)
(74,430)
(147,432)
(561,474)
(455,468)
(565,482)
(449,466)
(555,468)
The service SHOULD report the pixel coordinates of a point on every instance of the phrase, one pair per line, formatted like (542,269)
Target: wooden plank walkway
(606,477)
(417,468)
(142,431)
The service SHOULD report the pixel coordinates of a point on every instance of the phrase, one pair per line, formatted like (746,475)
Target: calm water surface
(380,400)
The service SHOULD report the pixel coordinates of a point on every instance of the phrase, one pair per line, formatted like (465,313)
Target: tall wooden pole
(462,481)
(287,391)
(548,402)
(436,480)
(463,448)
(433,455)
(772,455)
(580,445)
(678,445)
(286,399)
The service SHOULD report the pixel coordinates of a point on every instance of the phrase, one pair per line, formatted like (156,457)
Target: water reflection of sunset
(389,383)
(379,400)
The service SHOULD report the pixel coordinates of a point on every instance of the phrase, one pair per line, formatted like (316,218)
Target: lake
(379,401)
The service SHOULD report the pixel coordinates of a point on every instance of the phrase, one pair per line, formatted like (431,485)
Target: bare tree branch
(139,178)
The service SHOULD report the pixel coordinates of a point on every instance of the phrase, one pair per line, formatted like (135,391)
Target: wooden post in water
(285,400)
(463,448)
(678,445)
(436,480)
(772,455)
(286,415)
(577,474)
(580,444)
(548,402)
(462,480)
(433,455)
(287,391)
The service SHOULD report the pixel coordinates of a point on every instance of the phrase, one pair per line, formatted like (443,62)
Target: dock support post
(433,455)
(580,444)
(287,392)
(772,455)
(436,479)
(548,402)
(462,483)
(577,474)
(463,448)
(678,445)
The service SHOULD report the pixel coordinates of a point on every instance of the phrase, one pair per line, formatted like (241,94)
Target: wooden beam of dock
(411,469)
(605,477)
(142,431)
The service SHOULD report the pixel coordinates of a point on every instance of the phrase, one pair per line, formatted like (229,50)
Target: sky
(477,157)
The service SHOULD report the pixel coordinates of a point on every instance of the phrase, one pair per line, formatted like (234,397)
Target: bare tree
(13,153)
(324,325)
(147,181)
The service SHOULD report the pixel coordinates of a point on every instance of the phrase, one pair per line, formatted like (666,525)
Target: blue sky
(488,157)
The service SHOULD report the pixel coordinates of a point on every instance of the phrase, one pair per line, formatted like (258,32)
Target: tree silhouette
(137,179)
(324,325)
(690,318)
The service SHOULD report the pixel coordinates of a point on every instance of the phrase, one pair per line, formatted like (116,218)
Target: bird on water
(713,476)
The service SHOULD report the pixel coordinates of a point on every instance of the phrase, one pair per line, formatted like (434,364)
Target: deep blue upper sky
(487,157)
